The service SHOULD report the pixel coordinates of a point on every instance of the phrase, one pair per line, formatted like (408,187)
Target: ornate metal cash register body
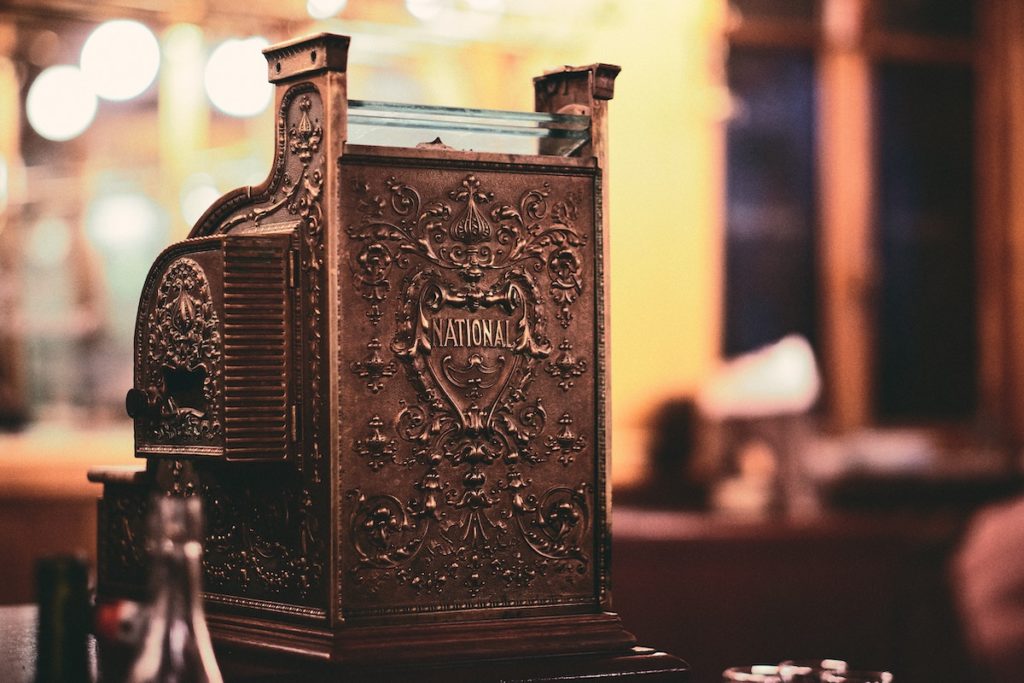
(383,370)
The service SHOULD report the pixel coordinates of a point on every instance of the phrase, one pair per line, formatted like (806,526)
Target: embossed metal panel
(469,441)
(178,401)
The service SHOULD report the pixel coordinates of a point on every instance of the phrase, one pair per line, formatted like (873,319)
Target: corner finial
(305,56)
(597,81)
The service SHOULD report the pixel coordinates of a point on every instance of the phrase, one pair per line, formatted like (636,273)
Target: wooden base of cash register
(635,664)
(429,643)
(567,648)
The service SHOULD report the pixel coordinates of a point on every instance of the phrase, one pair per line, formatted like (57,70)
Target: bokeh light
(236,77)
(123,221)
(120,59)
(60,104)
(198,192)
(49,242)
(322,9)
(426,10)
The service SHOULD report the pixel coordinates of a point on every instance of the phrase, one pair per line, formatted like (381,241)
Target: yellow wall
(667,202)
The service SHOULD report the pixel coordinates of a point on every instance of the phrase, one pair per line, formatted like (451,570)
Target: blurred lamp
(322,9)
(120,59)
(60,104)
(779,379)
(236,77)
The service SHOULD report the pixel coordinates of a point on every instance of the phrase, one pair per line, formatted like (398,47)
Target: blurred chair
(988,575)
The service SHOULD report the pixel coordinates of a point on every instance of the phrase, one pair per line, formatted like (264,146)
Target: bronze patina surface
(383,370)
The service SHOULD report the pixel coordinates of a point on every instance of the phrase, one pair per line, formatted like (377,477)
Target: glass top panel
(478,130)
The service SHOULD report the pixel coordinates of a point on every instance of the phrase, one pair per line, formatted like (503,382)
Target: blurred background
(817,279)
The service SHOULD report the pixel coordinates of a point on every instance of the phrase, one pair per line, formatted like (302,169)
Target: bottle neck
(176,580)
(177,638)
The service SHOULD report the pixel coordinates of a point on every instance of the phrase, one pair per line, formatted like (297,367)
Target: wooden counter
(47,506)
(720,592)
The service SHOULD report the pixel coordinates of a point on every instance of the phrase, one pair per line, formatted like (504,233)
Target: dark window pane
(937,17)
(777,9)
(770,268)
(926,333)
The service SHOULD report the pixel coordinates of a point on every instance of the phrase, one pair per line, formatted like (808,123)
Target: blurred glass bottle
(62,590)
(176,645)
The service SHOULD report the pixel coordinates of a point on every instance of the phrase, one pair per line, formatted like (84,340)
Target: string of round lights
(120,60)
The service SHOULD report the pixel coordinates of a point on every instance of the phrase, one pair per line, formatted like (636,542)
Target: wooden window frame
(847,42)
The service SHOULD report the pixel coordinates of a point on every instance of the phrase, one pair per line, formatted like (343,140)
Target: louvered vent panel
(256,314)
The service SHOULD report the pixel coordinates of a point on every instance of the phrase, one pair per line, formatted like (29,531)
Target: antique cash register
(384,372)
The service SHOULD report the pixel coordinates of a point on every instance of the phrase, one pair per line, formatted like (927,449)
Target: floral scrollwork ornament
(566,444)
(184,355)
(374,369)
(376,448)
(566,368)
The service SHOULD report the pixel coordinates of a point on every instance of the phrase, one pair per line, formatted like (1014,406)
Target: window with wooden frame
(853,214)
